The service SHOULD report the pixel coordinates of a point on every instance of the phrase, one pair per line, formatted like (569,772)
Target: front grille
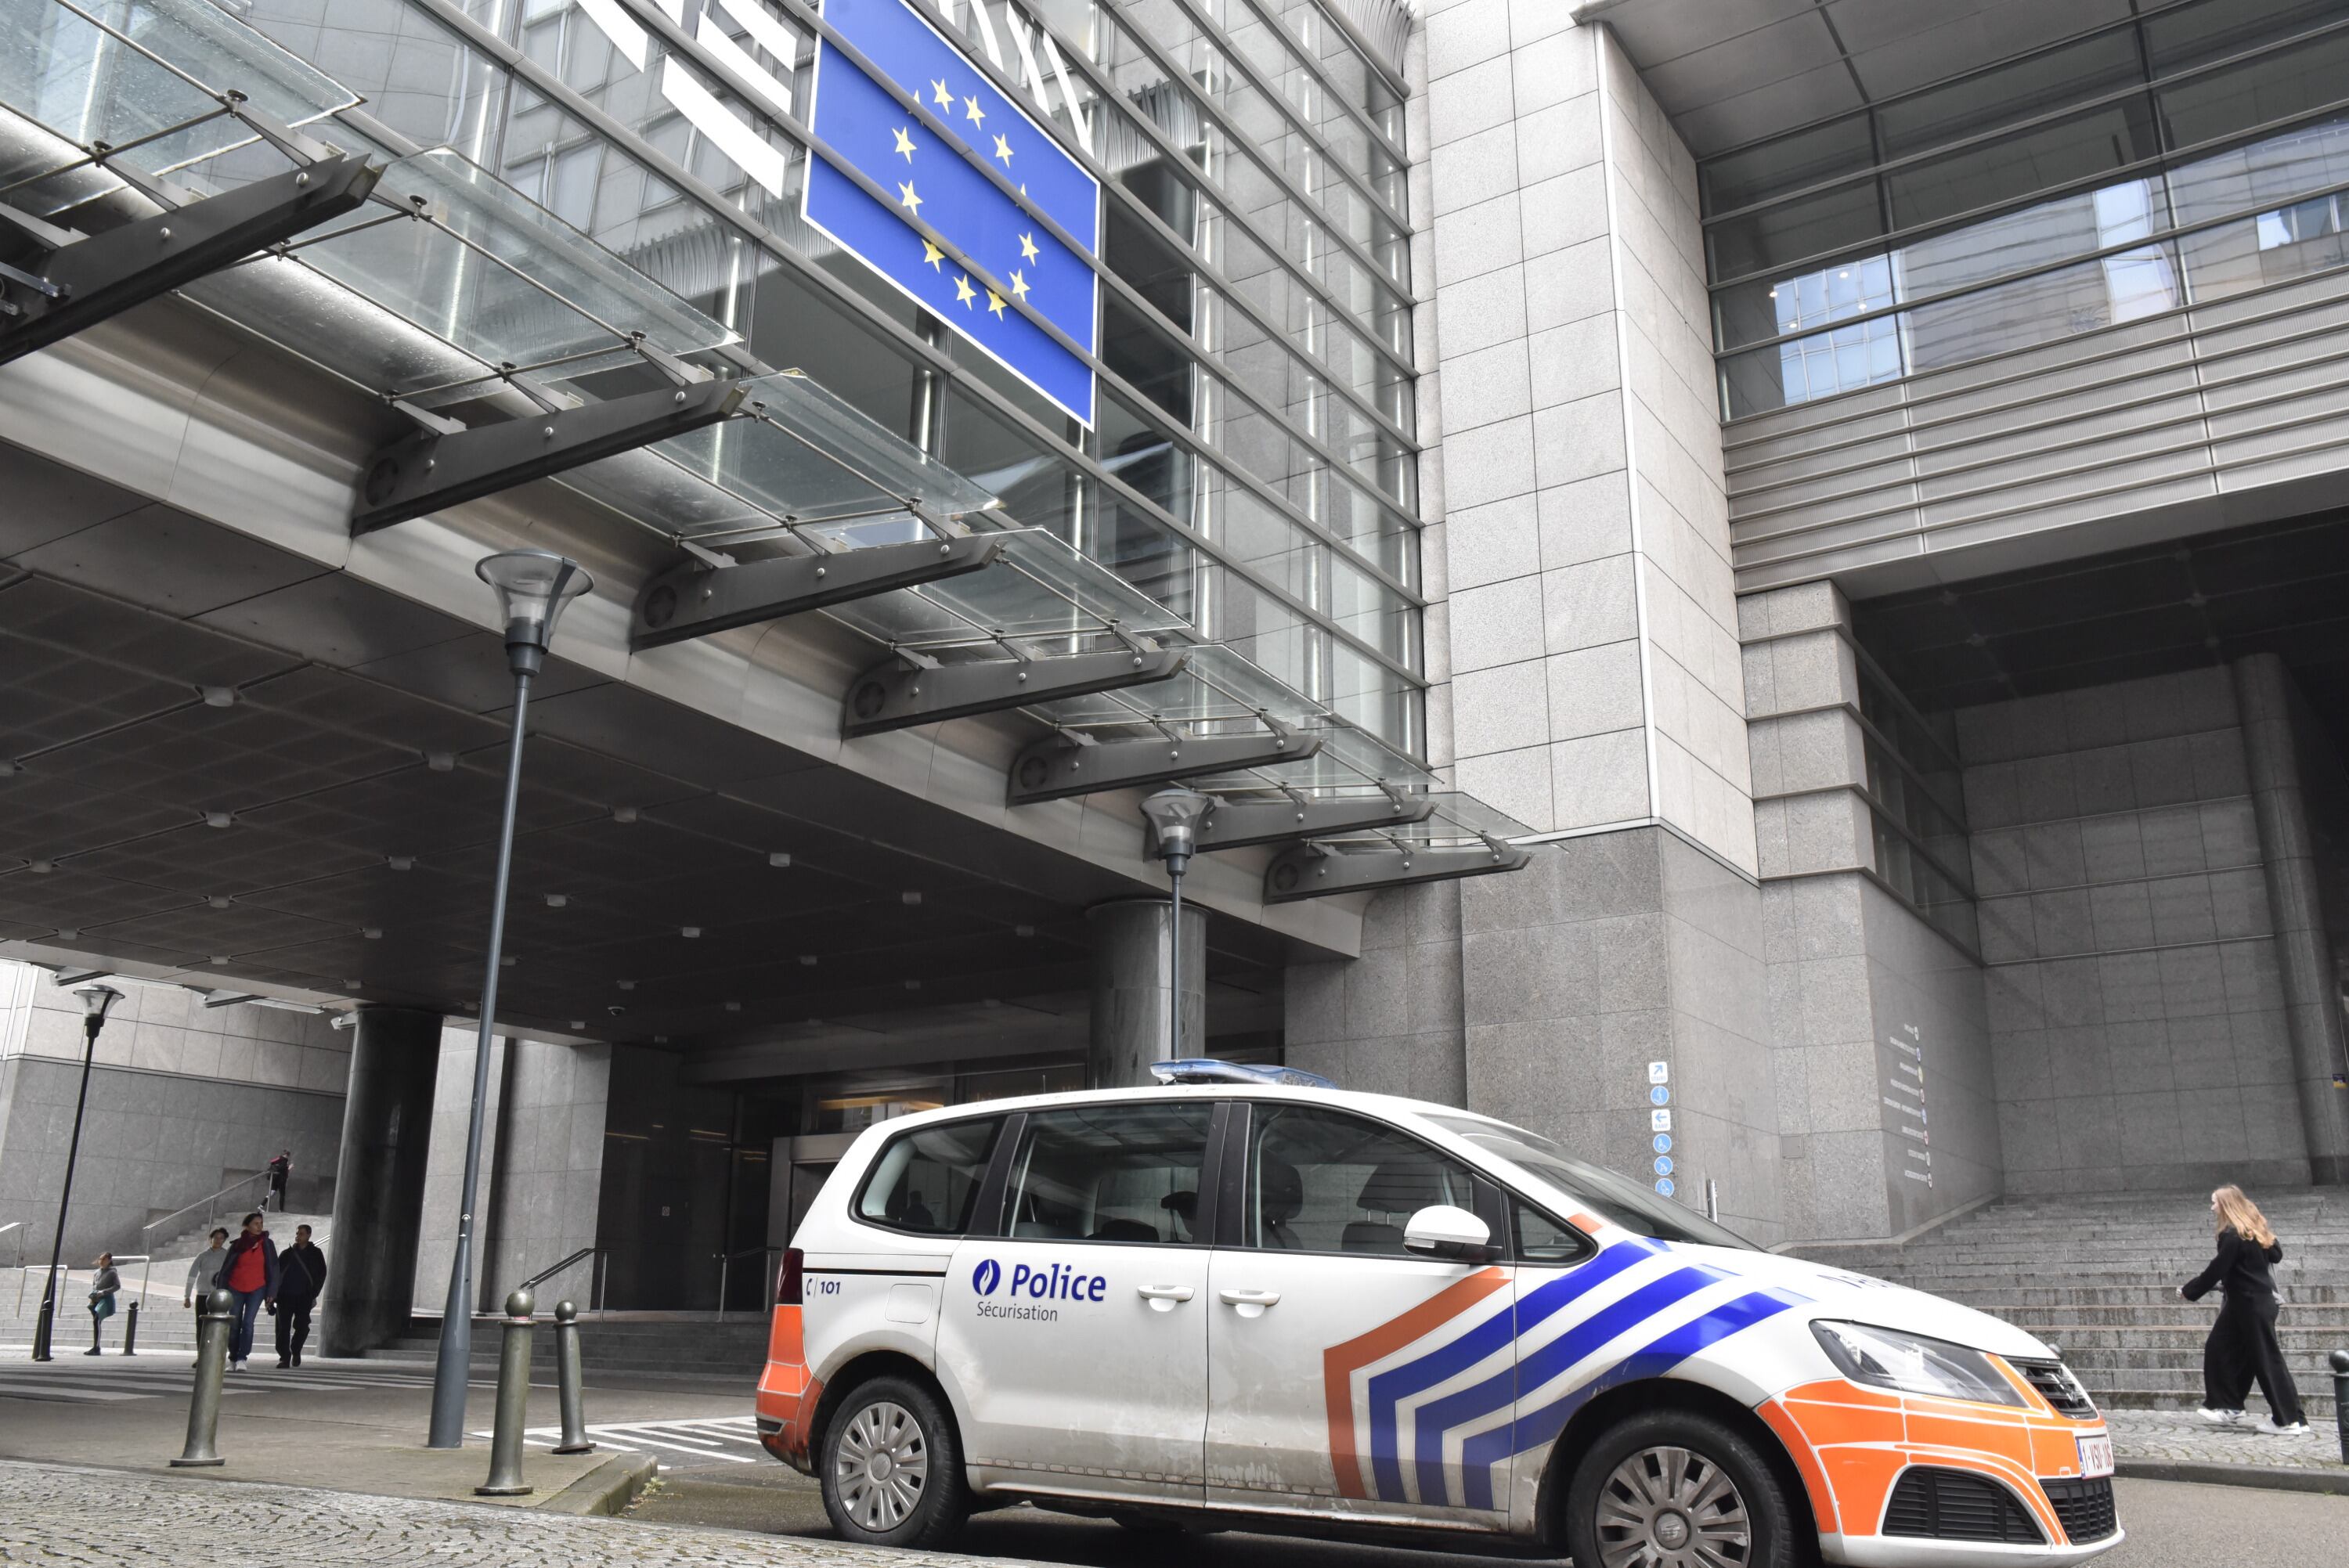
(2058,1388)
(1954,1505)
(2086,1507)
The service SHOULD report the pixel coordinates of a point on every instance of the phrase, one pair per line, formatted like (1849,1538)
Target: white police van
(1245,1299)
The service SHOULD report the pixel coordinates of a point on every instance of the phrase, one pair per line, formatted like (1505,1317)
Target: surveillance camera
(615,1010)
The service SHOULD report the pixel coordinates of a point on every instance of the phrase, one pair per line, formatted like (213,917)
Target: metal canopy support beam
(694,599)
(1057,768)
(1308,870)
(1236,824)
(78,281)
(432,471)
(892,696)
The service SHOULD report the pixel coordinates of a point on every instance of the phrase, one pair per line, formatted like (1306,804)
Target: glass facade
(2196,152)
(1252,464)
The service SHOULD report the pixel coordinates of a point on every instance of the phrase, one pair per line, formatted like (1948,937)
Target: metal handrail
(17,1226)
(595,1280)
(148,1229)
(726,1262)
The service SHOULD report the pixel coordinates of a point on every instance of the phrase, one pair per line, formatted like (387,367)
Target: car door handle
(1167,1292)
(1250,1297)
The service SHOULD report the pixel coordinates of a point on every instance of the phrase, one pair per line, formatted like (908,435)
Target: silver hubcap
(881,1466)
(1670,1508)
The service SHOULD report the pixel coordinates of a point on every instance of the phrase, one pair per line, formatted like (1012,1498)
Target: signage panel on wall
(1020,271)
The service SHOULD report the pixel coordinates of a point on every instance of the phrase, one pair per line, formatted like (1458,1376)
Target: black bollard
(131,1331)
(2341,1400)
(513,1404)
(566,1380)
(212,1367)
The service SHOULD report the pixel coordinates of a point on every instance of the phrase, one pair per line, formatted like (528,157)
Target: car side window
(926,1180)
(1544,1241)
(1323,1181)
(1122,1172)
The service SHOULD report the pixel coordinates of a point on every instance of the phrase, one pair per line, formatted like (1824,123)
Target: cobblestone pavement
(54,1516)
(2183,1435)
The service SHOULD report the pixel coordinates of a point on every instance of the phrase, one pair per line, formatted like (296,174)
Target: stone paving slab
(2183,1436)
(55,1515)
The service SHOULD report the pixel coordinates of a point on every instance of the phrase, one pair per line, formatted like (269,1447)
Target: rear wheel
(1672,1489)
(892,1469)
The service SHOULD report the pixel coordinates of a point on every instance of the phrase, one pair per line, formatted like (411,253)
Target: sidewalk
(2179,1445)
(343,1425)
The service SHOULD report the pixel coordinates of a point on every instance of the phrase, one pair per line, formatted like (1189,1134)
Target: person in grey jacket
(103,1286)
(201,1269)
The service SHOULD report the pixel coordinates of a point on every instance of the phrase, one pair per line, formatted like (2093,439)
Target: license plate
(2096,1456)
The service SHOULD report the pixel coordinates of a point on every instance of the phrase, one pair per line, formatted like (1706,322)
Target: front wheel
(892,1469)
(1675,1490)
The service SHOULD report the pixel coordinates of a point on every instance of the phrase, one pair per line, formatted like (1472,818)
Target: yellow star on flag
(1028,252)
(1003,150)
(963,292)
(905,144)
(994,303)
(1019,287)
(944,98)
(907,200)
(971,111)
(933,255)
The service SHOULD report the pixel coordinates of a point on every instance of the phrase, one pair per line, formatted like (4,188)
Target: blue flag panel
(876,136)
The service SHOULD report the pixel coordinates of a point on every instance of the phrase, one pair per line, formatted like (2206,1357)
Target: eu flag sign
(933,178)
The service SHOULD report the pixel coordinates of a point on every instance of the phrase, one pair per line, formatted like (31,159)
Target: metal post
(513,1404)
(566,1380)
(2339,1359)
(1174,958)
(46,1324)
(452,1368)
(725,1262)
(1713,1200)
(131,1331)
(212,1366)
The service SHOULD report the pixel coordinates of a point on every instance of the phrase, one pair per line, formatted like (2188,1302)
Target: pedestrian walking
(2242,1344)
(102,1288)
(202,1269)
(301,1275)
(279,1170)
(249,1274)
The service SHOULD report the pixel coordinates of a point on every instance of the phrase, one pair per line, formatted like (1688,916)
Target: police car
(1245,1299)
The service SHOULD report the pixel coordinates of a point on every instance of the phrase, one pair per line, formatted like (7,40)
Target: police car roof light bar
(1207,1070)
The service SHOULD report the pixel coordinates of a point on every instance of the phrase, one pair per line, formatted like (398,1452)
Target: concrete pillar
(2289,851)
(1130,981)
(379,1183)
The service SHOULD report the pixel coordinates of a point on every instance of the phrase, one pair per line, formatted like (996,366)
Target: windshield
(1615,1198)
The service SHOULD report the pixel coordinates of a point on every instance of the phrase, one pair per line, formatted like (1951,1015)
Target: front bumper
(1911,1551)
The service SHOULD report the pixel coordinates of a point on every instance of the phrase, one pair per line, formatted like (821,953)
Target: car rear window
(926,1180)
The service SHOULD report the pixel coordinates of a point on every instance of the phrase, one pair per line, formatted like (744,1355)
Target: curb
(2273,1477)
(607,1489)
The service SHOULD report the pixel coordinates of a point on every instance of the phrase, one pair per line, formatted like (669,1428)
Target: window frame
(987,1176)
(988,1220)
(1490,1199)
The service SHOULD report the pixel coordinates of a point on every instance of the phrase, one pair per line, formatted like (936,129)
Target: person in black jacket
(301,1275)
(2242,1344)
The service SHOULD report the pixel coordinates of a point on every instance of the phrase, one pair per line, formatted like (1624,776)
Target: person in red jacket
(250,1275)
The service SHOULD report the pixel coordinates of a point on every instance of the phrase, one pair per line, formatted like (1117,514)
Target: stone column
(379,1181)
(2288,850)
(1130,981)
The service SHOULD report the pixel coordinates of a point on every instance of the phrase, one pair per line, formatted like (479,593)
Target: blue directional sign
(1659,1095)
(932,178)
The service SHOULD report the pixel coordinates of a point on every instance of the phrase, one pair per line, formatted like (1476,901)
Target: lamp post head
(1173,816)
(97,1001)
(533,587)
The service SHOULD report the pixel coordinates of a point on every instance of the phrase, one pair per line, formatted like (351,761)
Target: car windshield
(1615,1198)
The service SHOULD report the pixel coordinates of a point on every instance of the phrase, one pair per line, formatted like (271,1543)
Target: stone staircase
(2098,1277)
(650,1345)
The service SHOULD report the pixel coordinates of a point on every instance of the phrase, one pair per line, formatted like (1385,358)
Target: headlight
(1888,1358)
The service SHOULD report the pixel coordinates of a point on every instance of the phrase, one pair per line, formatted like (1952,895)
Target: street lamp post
(533,587)
(1174,816)
(96,1001)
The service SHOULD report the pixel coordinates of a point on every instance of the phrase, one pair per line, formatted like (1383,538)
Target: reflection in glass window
(2059,304)
(1110,1173)
(924,1182)
(1322,1182)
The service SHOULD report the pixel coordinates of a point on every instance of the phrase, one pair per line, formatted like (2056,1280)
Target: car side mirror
(1441,1231)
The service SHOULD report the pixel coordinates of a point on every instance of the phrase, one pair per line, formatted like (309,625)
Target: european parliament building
(1753,585)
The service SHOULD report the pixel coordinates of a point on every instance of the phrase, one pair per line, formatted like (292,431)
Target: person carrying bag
(103,1284)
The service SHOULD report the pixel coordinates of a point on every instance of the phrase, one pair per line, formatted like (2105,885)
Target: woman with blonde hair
(2242,1343)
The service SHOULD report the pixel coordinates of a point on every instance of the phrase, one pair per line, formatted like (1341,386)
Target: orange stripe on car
(1341,1362)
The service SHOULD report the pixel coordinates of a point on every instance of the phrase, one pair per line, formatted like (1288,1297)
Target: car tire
(892,1467)
(1654,1488)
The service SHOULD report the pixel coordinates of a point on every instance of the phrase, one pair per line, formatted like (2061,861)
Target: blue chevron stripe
(1387,1389)
(1536,1428)
(1499,1392)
